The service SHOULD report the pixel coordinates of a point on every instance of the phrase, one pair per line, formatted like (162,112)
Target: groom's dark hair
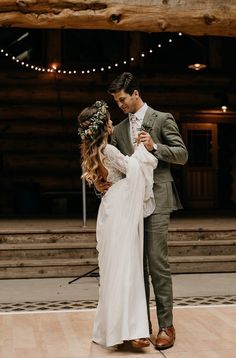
(126,81)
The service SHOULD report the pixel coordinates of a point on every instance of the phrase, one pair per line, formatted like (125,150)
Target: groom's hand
(146,139)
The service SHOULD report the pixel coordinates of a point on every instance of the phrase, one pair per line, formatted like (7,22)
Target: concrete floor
(86,288)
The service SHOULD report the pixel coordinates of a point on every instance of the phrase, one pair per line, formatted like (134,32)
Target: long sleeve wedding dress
(122,311)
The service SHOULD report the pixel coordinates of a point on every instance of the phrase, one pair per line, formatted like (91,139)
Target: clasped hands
(146,139)
(142,137)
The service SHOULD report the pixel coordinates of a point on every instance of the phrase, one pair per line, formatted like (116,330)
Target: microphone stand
(84,225)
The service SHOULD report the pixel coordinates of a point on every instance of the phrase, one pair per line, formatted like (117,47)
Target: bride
(122,310)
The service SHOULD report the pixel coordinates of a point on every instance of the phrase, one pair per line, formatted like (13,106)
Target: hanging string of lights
(53,68)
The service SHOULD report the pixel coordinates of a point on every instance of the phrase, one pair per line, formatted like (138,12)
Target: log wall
(39,156)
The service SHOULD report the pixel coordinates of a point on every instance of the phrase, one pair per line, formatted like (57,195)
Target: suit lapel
(149,117)
(148,120)
(127,138)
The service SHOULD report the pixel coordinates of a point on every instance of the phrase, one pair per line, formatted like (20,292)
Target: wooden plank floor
(202,332)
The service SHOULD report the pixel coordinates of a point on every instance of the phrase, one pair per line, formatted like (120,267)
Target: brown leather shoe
(140,343)
(165,338)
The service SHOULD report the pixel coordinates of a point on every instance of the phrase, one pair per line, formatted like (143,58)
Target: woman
(122,312)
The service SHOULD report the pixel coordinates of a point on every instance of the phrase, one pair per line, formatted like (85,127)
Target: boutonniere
(146,128)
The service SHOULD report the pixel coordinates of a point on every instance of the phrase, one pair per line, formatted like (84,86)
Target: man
(161,137)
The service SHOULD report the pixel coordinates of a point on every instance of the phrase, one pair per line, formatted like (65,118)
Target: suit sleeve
(172,149)
(113,138)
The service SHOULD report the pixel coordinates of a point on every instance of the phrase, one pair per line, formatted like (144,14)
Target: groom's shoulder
(159,114)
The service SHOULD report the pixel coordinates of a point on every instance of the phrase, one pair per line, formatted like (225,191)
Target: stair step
(92,244)
(197,264)
(50,254)
(48,262)
(93,261)
(85,235)
(201,234)
(216,258)
(202,247)
(88,249)
(202,242)
(46,268)
(46,246)
(47,237)
(76,267)
(62,250)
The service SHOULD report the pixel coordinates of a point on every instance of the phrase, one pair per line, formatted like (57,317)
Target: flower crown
(96,121)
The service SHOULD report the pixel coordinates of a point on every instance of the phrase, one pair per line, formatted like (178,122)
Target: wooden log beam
(206,17)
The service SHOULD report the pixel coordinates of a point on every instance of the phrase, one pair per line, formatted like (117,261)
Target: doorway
(201,172)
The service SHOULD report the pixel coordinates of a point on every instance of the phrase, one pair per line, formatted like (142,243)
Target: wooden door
(200,177)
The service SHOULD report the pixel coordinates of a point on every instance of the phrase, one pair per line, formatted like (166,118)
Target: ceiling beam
(206,17)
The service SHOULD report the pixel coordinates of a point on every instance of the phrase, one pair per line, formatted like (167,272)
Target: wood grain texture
(201,332)
(209,17)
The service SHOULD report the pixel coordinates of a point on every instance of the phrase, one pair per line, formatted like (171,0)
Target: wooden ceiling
(209,17)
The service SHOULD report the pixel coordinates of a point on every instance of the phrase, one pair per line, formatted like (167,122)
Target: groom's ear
(136,93)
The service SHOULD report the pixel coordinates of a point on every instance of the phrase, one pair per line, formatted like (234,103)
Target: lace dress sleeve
(115,159)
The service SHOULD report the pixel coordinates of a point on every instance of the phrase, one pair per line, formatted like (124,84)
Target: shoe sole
(138,346)
(164,347)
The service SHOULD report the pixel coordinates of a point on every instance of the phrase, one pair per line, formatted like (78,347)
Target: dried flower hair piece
(96,122)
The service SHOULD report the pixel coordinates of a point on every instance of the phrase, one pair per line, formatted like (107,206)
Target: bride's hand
(102,186)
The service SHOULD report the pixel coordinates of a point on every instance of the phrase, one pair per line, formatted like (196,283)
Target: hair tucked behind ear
(93,130)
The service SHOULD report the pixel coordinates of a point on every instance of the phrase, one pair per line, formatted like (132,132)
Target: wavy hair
(93,141)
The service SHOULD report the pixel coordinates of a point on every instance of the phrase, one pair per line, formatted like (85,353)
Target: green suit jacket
(170,150)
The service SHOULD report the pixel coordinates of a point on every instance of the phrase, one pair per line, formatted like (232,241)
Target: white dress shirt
(139,117)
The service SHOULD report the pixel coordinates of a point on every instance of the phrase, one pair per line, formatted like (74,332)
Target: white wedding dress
(122,312)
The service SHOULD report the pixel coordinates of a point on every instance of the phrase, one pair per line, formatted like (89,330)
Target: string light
(197,66)
(54,68)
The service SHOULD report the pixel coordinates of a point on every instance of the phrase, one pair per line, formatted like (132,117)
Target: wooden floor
(202,332)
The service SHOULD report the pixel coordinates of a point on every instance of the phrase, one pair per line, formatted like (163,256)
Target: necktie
(134,131)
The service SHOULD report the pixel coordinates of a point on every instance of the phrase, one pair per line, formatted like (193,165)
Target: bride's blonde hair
(93,131)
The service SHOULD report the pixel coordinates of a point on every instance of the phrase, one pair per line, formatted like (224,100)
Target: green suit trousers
(157,266)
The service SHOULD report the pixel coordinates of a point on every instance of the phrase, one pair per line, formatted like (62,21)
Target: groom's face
(126,102)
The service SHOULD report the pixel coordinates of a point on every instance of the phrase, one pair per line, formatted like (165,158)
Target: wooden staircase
(192,251)
(43,254)
(73,253)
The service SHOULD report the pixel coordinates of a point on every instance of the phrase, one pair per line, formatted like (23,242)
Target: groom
(161,137)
